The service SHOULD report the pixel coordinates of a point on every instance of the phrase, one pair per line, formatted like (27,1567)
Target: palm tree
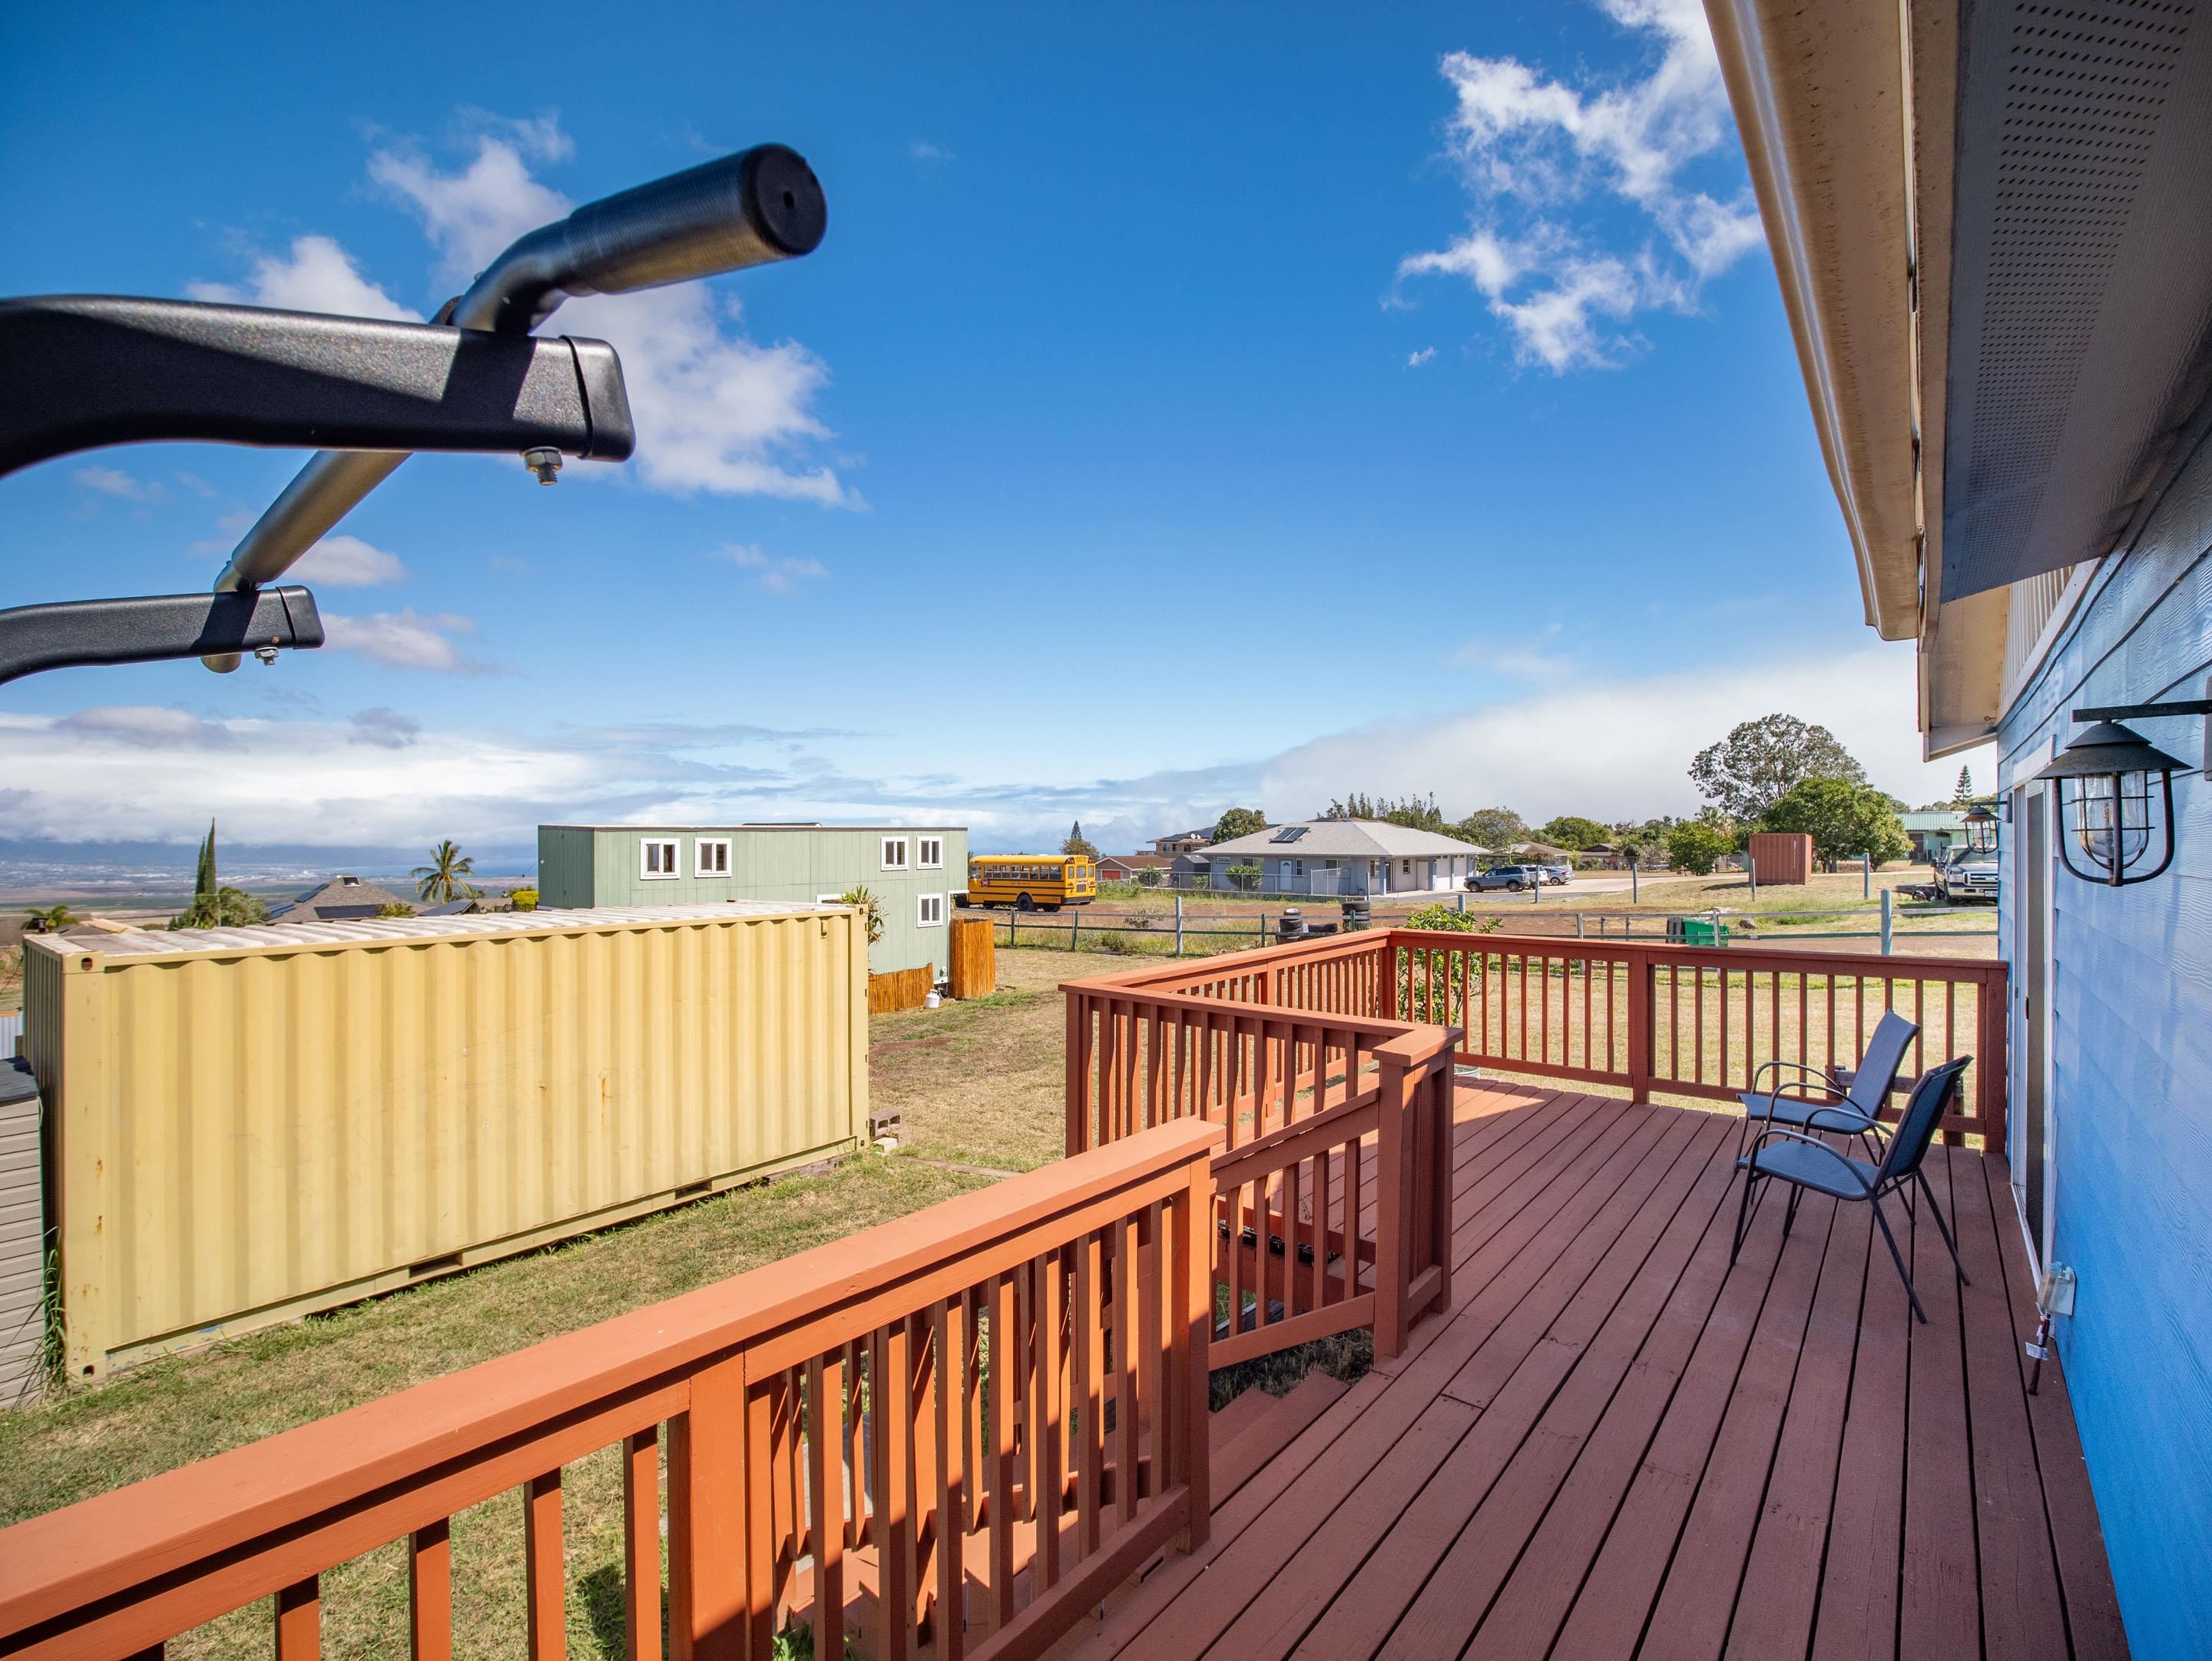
(50,921)
(444,879)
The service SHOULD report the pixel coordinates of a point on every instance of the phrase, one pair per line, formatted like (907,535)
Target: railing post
(1195,1320)
(1386,977)
(1991,1102)
(1392,1186)
(706,1518)
(1642,995)
(1077,1063)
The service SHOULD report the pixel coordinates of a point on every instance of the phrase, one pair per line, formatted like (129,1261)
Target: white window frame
(922,904)
(699,865)
(645,871)
(900,863)
(929,854)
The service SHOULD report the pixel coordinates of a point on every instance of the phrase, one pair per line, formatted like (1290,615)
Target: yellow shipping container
(246,1125)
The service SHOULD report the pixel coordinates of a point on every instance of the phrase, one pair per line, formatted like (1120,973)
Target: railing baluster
(825,1426)
(1049,1456)
(300,1621)
(547,1581)
(641,1546)
(1001,1416)
(1125,1330)
(1090,1393)
(929,1526)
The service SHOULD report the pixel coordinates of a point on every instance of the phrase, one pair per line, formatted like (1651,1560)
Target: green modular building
(916,872)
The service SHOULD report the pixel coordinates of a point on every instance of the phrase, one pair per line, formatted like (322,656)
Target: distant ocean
(123,869)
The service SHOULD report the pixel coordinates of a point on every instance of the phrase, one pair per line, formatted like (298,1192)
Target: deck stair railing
(920,1435)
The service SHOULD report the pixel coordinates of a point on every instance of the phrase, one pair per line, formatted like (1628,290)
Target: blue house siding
(2130,1036)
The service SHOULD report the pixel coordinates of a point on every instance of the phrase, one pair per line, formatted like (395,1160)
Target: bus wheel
(1024,902)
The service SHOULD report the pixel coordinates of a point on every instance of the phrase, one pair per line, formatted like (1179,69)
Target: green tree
(213,906)
(1574,832)
(1239,822)
(1412,812)
(227,908)
(871,908)
(1494,828)
(447,877)
(204,885)
(52,920)
(1759,762)
(1077,843)
(1963,794)
(1695,846)
(1845,819)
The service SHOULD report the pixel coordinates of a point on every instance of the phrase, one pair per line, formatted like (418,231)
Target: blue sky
(1186,406)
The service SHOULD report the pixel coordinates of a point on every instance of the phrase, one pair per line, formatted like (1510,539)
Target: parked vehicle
(1030,882)
(1967,874)
(1557,875)
(1514,876)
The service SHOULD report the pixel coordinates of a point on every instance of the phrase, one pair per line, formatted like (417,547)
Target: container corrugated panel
(250,1124)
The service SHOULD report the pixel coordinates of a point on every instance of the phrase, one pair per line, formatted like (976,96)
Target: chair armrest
(1820,1081)
(1773,1131)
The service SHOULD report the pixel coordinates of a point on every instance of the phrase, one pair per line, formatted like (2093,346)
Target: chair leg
(1898,1257)
(1742,1216)
(1937,1212)
(1790,1217)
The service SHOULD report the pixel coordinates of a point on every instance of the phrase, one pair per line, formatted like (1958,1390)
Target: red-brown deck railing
(913,1420)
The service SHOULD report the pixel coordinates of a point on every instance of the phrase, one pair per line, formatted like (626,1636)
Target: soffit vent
(2081,279)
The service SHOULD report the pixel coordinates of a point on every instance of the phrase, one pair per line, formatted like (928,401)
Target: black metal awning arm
(155,627)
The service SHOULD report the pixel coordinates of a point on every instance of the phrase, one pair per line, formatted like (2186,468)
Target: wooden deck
(1614,1444)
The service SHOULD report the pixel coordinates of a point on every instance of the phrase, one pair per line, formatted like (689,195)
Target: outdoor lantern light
(1981,828)
(2115,804)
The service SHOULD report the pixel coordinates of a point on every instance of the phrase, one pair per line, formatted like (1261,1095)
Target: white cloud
(140,726)
(715,411)
(113,482)
(1414,360)
(1524,657)
(385,728)
(347,561)
(316,275)
(406,640)
(776,575)
(923,151)
(1531,151)
(233,525)
(1618,748)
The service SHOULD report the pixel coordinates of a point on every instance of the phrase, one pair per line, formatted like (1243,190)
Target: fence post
(1865,876)
(1178,900)
(1462,902)
(1635,894)
(1074,928)
(1642,994)
(1580,920)
(1886,919)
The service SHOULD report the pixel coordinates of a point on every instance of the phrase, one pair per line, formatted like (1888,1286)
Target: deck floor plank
(1614,1444)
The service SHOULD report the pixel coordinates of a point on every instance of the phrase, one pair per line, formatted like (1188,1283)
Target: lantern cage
(2115,805)
(1981,828)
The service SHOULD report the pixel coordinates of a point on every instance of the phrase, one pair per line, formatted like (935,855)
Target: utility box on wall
(1781,856)
(246,1125)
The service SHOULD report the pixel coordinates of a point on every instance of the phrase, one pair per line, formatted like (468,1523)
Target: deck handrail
(1647,1016)
(742,1373)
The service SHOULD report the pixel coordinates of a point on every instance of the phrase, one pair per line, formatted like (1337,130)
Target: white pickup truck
(1967,874)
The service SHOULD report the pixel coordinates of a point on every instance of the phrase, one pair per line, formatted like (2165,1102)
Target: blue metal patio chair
(1849,1108)
(1805,1162)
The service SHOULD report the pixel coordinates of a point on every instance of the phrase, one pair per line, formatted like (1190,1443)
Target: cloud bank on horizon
(1608,748)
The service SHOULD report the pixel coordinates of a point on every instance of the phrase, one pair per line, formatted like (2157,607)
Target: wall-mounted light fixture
(2116,794)
(1981,828)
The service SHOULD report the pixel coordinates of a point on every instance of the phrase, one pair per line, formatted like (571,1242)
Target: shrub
(524,899)
(1696,847)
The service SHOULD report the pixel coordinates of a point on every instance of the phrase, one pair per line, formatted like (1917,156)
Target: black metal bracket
(155,627)
(2145,711)
(80,371)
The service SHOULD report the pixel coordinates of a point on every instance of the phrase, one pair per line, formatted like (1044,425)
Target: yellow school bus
(1032,882)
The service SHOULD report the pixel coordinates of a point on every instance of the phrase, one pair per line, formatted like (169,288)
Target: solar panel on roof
(1288,833)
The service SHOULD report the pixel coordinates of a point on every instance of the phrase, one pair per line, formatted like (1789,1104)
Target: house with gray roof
(1344,856)
(341,899)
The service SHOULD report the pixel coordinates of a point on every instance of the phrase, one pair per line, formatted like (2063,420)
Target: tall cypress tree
(203,884)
